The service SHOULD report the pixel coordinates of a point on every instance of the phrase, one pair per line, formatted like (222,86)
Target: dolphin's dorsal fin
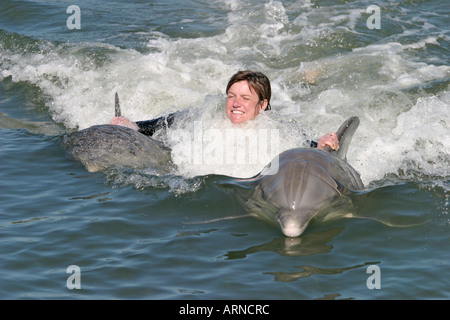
(344,135)
(117,108)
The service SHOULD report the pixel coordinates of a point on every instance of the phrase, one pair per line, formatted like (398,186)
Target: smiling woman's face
(243,103)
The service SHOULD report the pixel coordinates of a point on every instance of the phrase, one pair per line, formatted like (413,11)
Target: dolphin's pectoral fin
(391,223)
(340,208)
(220,219)
(344,208)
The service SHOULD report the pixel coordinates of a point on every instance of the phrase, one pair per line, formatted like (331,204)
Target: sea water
(137,233)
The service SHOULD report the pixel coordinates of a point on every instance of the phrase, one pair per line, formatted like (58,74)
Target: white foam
(212,144)
(419,142)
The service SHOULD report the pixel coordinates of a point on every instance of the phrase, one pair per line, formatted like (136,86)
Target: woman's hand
(330,140)
(124,122)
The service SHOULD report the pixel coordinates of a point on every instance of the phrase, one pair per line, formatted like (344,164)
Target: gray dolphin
(306,182)
(104,146)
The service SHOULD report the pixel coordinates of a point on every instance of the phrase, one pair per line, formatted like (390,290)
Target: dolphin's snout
(291,230)
(293,223)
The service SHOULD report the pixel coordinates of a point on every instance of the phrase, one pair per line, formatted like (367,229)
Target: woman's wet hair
(257,82)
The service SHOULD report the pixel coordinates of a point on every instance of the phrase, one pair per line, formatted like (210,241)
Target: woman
(248,93)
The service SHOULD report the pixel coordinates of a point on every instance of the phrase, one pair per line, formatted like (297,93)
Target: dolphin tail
(117,107)
(344,135)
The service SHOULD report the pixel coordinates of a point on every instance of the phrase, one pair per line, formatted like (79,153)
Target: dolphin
(300,183)
(104,146)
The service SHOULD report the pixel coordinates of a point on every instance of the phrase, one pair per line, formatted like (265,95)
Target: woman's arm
(124,122)
(147,127)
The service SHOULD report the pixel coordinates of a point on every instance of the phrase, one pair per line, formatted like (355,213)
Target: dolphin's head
(293,223)
(300,189)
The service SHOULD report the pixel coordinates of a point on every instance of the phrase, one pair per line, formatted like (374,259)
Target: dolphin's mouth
(291,229)
(292,223)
